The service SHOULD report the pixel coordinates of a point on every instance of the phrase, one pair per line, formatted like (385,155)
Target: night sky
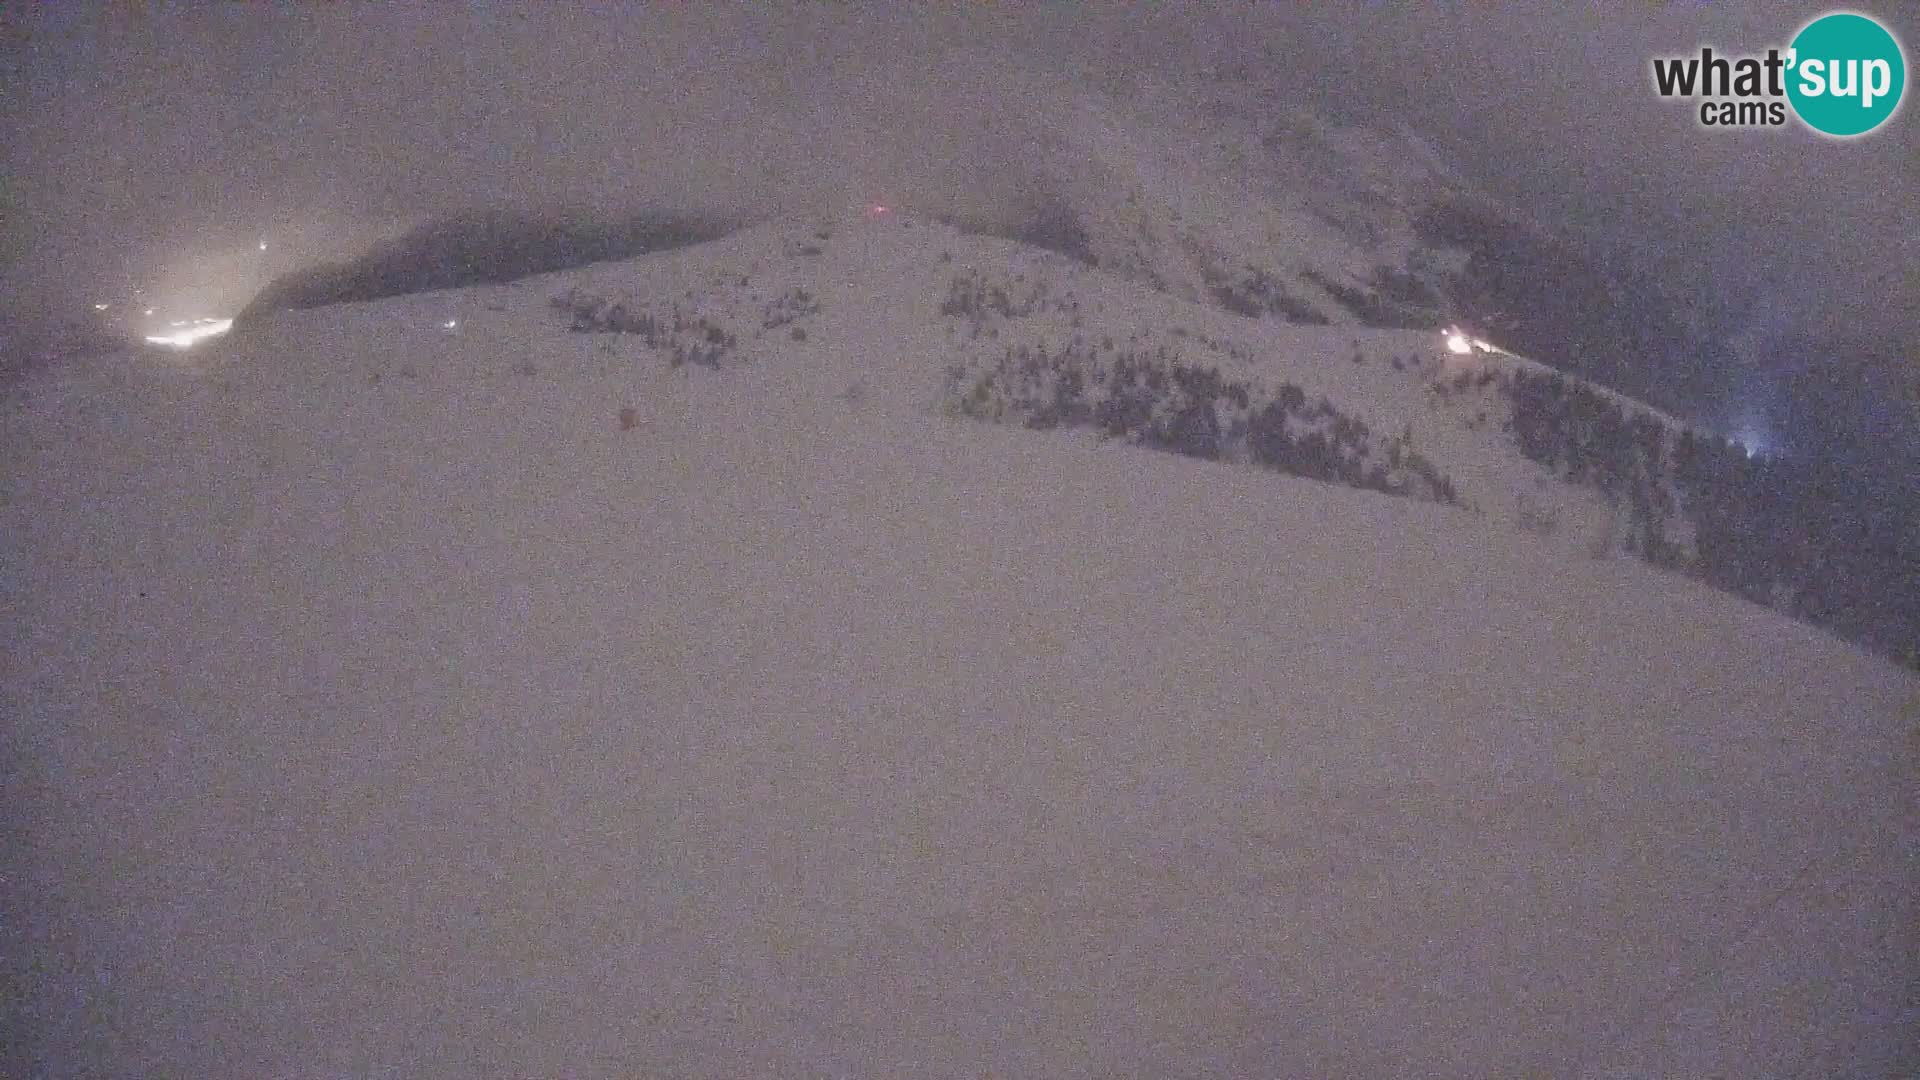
(163,146)
(693,666)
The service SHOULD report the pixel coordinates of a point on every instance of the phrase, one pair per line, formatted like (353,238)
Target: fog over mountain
(862,644)
(1029,540)
(164,137)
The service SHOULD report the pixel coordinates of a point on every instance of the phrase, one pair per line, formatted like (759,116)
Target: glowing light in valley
(1751,428)
(451,323)
(149,311)
(1460,344)
(876,210)
(101,307)
(196,331)
(1754,441)
(263,245)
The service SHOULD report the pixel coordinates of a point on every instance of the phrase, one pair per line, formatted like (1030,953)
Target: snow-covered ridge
(1313,212)
(990,300)
(426,687)
(1032,337)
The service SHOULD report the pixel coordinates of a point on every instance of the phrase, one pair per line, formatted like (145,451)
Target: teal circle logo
(1846,74)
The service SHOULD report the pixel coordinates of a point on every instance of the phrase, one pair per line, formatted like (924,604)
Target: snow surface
(378,703)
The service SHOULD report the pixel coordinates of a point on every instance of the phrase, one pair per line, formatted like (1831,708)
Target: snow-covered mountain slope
(422,687)
(1212,186)
(968,304)
(1260,209)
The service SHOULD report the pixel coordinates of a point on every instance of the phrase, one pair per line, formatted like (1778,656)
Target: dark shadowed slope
(478,248)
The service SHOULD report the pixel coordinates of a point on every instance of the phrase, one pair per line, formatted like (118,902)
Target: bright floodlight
(1752,440)
(100,307)
(199,331)
(1457,342)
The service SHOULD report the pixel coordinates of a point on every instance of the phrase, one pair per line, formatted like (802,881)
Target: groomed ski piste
(423,688)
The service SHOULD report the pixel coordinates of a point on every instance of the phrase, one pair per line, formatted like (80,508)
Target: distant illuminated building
(1460,343)
(192,333)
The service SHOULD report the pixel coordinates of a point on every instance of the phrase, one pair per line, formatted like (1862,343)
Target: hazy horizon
(163,147)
